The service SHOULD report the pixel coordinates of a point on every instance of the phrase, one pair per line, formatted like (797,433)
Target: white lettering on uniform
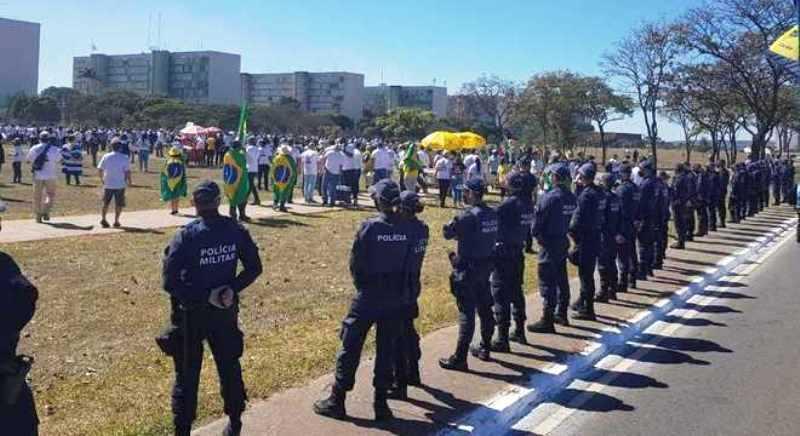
(397,237)
(489,226)
(218,255)
(569,209)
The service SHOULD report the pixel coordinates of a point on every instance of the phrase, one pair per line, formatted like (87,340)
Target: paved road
(730,365)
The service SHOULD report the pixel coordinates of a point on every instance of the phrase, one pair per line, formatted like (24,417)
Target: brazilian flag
(411,163)
(173,179)
(284,175)
(234,176)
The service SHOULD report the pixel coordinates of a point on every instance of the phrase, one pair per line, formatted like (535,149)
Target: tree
(406,123)
(602,106)
(642,61)
(495,97)
(737,34)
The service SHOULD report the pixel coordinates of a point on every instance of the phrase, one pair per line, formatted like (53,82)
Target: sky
(410,42)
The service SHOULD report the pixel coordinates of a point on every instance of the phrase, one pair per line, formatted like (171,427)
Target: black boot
(333,406)
(678,246)
(500,343)
(561,318)
(454,363)
(381,407)
(398,392)
(183,430)
(414,378)
(234,427)
(602,297)
(545,325)
(518,335)
(481,352)
(584,311)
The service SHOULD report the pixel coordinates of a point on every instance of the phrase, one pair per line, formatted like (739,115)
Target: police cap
(646,165)
(515,182)
(409,201)
(206,193)
(587,170)
(386,191)
(626,169)
(561,170)
(475,185)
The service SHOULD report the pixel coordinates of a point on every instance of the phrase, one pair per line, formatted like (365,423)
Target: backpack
(38,163)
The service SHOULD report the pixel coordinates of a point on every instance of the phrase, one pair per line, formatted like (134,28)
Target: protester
(442,171)
(334,161)
(173,180)
(115,173)
(72,161)
(252,152)
(310,160)
(43,158)
(17,156)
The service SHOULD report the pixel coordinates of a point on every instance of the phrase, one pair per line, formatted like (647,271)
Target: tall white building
(19,58)
(205,77)
(383,98)
(338,93)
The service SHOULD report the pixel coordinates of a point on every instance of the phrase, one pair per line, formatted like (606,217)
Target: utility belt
(466,264)
(508,251)
(171,339)
(13,372)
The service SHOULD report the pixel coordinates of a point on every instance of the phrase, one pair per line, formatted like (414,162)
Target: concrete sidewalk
(141,221)
(448,396)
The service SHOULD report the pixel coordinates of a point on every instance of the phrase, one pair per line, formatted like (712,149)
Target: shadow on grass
(139,230)
(278,223)
(69,226)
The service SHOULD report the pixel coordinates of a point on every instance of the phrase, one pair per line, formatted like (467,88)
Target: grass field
(97,368)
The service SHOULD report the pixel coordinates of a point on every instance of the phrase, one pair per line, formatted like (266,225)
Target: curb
(506,408)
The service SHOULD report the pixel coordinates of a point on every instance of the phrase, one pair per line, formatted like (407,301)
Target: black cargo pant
(220,328)
(353,334)
(607,264)
(753,204)
(691,222)
(776,192)
(702,218)
(554,285)
(662,238)
(469,283)
(407,354)
(628,262)
(722,209)
(680,212)
(712,214)
(587,264)
(506,285)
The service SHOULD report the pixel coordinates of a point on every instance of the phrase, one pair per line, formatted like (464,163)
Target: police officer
(610,238)
(663,216)
(630,196)
(551,221)
(714,193)
(692,204)
(680,205)
(530,189)
(585,229)
(788,181)
(754,193)
(476,232)
(200,275)
(379,264)
(740,193)
(703,187)
(514,218)
(724,183)
(650,217)
(17,409)
(776,179)
(407,349)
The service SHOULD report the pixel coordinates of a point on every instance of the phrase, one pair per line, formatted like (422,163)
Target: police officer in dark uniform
(738,197)
(630,196)
(551,221)
(514,217)
(776,179)
(724,183)
(788,181)
(476,232)
(407,350)
(17,305)
(530,189)
(610,239)
(702,187)
(379,263)
(714,193)
(681,197)
(754,192)
(585,229)
(663,217)
(200,275)
(649,216)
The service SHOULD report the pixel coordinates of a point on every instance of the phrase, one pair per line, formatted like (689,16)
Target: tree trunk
(758,145)
(688,152)
(602,141)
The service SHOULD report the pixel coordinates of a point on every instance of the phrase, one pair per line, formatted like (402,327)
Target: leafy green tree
(602,106)
(406,123)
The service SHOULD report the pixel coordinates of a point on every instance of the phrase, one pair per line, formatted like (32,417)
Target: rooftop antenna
(93,47)
(158,39)
(434,81)
(149,30)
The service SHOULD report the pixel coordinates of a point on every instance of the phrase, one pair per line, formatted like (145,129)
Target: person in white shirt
(252,152)
(334,162)
(383,162)
(351,170)
(475,169)
(44,157)
(442,170)
(309,160)
(115,172)
(264,159)
(17,156)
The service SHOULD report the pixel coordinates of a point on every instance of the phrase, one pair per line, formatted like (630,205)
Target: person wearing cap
(530,189)
(663,217)
(702,190)
(173,179)
(649,216)
(610,240)
(753,194)
(787,179)
(200,275)
(552,216)
(17,408)
(714,186)
(43,158)
(407,349)
(115,172)
(630,196)
(724,184)
(379,265)
(739,193)
(586,229)
(514,220)
(475,231)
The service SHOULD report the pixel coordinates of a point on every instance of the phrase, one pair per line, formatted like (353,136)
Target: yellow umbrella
(441,140)
(471,140)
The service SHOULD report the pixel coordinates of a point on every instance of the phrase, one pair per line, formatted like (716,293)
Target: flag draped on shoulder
(234,166)
(411,163)
(284,175)
(173,178)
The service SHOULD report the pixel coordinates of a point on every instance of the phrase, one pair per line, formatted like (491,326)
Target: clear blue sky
(411,41)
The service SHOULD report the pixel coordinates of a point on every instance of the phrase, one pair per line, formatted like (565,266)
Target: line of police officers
(608,224)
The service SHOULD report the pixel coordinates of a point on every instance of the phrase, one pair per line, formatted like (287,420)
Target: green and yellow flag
(411,163)
(284,175)
(173,179)
(234,166)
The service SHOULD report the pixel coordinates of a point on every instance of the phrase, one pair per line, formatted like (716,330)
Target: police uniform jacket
(17,305)
(551,221)
(630,196)
(649,212)
(612,223)
(514,218)
(587,222)
(476,232)
(418,238)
